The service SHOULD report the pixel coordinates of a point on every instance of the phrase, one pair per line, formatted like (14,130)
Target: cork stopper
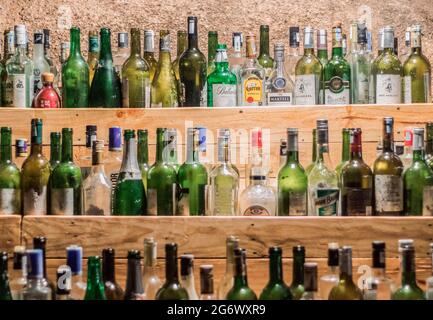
(47,77)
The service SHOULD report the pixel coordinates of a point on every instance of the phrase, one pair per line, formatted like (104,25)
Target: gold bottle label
(253,91)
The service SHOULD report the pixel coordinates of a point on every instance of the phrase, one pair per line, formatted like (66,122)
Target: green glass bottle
(161,179)
(193,70)
(149,52)
(322,46)
(429,144)
(55,149)
(66,182)
(297,285)
(75,76)
(10,177)
(388,175)
(35,174)
(345,151)
(416,72)
(212,43)
(313,153)
(292,181)
(418,180)
(171,289)
(143,154)
(106,88)
(276,289)
(240,289)
(221,83)
(356,181)
(165,87)
(336,80)
(129,194)
(182,44)
(192,178)
(5,290)
(93,55)
(264,58)
(135,76)
(95,285)
(345,289)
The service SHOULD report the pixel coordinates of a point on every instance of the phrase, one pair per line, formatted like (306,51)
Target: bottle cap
(115,139)
(35,263)
(310,276)
(47,77)
(186,264)
(21,148)
(38,37)
(19,255)
(294,37)
(134,254)
(333,254)
(74,256)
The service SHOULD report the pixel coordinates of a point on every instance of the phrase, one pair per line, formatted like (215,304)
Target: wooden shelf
(10,232)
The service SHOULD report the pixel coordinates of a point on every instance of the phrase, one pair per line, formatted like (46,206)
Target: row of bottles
(29,280)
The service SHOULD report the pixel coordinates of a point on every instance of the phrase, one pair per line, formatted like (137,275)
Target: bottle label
(407,89)
(388,193)
(253,91)
(224,200)
(427,201)
(256,210)
(326,202)
(305,89)
(17,91)
(10,201)
(337,91)
(357,202)
(298,203)
(62,201)
(203,96)
(35,201)
(152,202)
(37,81)
(388,88)
(363,88)
(279,98)
(224,95)
(93,44)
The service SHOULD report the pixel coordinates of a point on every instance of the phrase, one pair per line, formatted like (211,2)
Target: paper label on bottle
(35,201)
(305,89)
(10,201)
(363,88)
(203,96)
(388,88)
(279,98)
(17,90)
(297,203)
(183,202)
(152,202)
(388,193)
(407,83)
(337,91)
(223,200)
(224,95)
(357,202)
(256,210)
(326,202)
(252,91)
(62,201)
(37,81)
(427,201)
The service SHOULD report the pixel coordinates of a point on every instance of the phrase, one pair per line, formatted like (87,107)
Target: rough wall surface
(225,16)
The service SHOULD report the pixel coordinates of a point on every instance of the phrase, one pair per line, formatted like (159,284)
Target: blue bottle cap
(35,263)
(115,139)
(74,259)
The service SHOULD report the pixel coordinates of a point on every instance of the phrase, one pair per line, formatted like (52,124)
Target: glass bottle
(310,282)
(308,73)
(135,76)
(251,87)
(86,159)
(279,90)
(387,72)
(182,44)
(323,187)
(143,155)
(346,289)
(171,154)
(276,289)
(313,153)
(356,181)
(409,289)
(388,175)
(429,281)
(337,73)
(345,151)
(64,52)
(407,156)
(294,52)
(297,285)
(221,83)
(207,283)
(331,278)
(344,45)
(416,72)
(10,177)
(93,55)
(129,194)
(418,180)
(212,43)
(407,49)
(36,288)
(134,289)
(95,285)
(259,198)
(192,178)
(114,158)
(283,152)
(40,64)
(21,148)
(9,45)
(106,88)
(187,275)
(171,289)
(74,259)
(112,289)
(5,290)
(165,86)
(151,282)
(41,243)
(236,58)
(122,53)
(75,76)
(19,80)
(240,289)
(292,181)
(47,97)
(264,58)
(226,283)
(322,46)
(66,181)
(192,70)
(18,274)
(63,283)
(149,53)
(35,174)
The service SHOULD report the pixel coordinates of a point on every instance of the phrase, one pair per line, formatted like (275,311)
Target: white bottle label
(337,91)
(427,201)
(17,90)
(10,201)
(407,89)
(305,89)
(35,201)
(388,88)
(363,88)
(388,193)
(62,201)
(279,98)
(224,95)
(37,81)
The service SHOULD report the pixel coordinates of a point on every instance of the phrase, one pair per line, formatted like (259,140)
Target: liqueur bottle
(134,289)
(226,283)
(74,259)
(187,275)
(331,278)
(149,52)
(40,64)
(95,285)
(297,285)
(279,89)
(143,155)
(111,288)
(212,43)
(182,44)
(207,283)
(47,97)
(151,281)
(294,52)
(264,58)
(310,282)
(93,55)
(240,289)
(36,288)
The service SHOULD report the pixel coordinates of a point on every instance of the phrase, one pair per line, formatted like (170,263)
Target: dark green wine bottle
(106,88)
(95,285)
(297,285)
(134,284)
(5,290)
(429,144)
(240,289)
(55,149)
(171,289)
(112,289)
(276,289)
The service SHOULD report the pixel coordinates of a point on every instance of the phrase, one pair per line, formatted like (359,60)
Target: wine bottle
(187,275)
(5,290)
(226,283)
(182,44)
(112,289)
(134,289)
(345,151)
(149,52)
(18,278)
(95,285)
(151,281)
(264,57)
(240,289)
(297,285)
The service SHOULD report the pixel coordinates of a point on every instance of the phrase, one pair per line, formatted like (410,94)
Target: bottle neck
(292,148)
(164,58)
(264,42)
(134,283)
(212,46)
(192,35)
(94,276)
(192,148)
(408,276)
(55,152)
(388,138)
(67,147)
(75,46)
(275,268)
(171,268)
(106,47)
(135,43)
(129,161)
(143,151)
(161,147)
(298,269)
(240,273)
(6,148)
(108,269)
(345,153)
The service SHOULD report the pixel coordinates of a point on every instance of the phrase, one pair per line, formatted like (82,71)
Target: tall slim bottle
(95,285)
(143,155)
(294,51)
(106,88)
(264,57)
(297,285)
(112,289)
(182,44)
(35,174)
(313,152)
(93,55)
(207,283)
(345,151)
(10,177)
(40,64)
(192,70)
(330,279)
(36,288)
(122,53)
(75,76)
(149,52)
(134,289)
(212,43)
(151,282)
(114,158)
(187,275)
(226,282)
(240,289)
(236,58)
(74,259)
(5,290)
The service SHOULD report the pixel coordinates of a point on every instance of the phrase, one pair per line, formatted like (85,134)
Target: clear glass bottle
(36,288)
(151,282)
(40,63)
(294,53)
(236,57)
(74,259)
(310,282)
(279,91)
(18,278)
(206,283)
(226,283)
(114,158)
(187,275)
(63,283)
(330,279)
(122,53)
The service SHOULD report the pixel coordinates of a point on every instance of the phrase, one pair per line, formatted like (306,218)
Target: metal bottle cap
(74,257)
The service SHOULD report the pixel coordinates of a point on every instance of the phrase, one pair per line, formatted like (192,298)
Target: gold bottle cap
(47,77)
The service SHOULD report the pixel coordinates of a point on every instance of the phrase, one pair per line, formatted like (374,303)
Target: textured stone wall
(225,16)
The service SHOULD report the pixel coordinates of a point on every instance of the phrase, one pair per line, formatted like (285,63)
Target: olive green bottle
(264,58)
(212,43)
(95,285)
(240,289)
(345,151)
(297,285)
(182,44)
(143,154)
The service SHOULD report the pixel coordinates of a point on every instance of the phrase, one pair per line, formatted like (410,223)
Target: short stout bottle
(151,282)
(5,290)
(95,284)
(47,97)
(134,289)
(331,277)
(207,283)
(36,288)
(63,283)
(226,282)
(112,289)
(240,289)
(310,282)
(297,285)
(187,275)
(74,259)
